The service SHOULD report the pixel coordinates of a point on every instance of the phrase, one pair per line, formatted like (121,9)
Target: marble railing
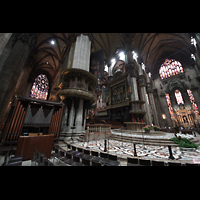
(97,131)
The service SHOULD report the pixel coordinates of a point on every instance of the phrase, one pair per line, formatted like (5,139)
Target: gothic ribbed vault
(152,48)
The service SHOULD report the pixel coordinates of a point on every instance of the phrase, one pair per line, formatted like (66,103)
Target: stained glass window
(170,68)
(194,105)
(179,97)
(171,111)
(40,87)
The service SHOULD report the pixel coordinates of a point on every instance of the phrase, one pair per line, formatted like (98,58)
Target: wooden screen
(26,145)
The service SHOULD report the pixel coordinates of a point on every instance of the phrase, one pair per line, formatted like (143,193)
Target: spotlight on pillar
(113,60)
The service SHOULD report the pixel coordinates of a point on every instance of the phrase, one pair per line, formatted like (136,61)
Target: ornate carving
(28,38)
(60,85)
(62,97)
(130,69)
(73,72)
(141,80)
(80,93)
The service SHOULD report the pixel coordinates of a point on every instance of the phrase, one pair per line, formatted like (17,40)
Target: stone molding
(78,92)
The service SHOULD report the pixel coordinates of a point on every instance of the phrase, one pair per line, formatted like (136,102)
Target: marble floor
(124,149)
(151,135)
(145,151)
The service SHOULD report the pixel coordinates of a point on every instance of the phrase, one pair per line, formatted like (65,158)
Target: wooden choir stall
(32,123)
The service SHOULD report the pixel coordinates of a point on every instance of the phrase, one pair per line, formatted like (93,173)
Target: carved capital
(28,38)
(141,80)
(130,69)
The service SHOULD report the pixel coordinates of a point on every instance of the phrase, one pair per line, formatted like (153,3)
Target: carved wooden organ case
(29,112)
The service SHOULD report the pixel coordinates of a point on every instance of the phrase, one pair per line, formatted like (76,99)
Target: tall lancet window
(40,88)
(179,97)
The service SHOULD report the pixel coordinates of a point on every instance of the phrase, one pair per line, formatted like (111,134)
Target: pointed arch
(40,87)
(169,68)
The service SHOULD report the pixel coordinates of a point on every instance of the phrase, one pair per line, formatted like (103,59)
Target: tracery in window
(40,87)
(179,97)
(169,68)
(194,105)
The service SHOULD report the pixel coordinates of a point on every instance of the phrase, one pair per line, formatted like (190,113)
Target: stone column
(22,83)
(84,123)
(64,121)
(110,73)
(134,90)
(82,53)
(11,70)
(142,84)
(71,117)
(136,111)
(152,103)
(70,58)
(165,109)
(130,69)
(75,74)
(4,37)
(79,117)
(158,108)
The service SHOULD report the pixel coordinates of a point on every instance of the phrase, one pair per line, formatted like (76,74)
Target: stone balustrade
(96,132)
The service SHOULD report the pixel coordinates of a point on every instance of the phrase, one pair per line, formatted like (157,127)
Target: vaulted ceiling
(153,48)
(49,56)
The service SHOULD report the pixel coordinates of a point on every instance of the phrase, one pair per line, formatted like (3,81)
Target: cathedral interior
(58,83)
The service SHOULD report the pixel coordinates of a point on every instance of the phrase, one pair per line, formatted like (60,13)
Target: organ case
(32,115)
